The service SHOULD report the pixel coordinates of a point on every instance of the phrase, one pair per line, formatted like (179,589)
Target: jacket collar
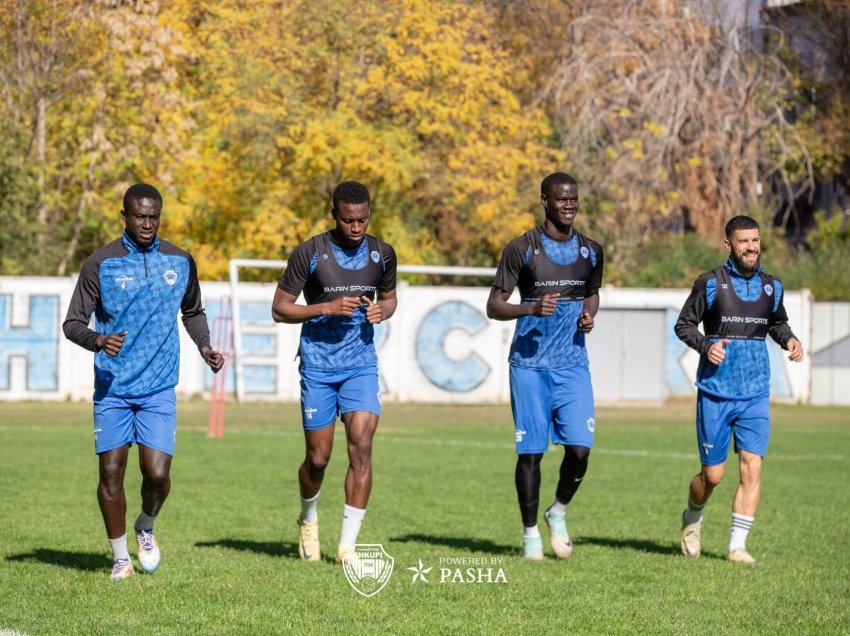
(134,248)
(730,265)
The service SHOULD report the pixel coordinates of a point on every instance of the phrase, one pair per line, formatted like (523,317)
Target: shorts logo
(536,251)
(591,424)
(123,280)
(170,276)
(325,256)
(519,435)
(768,290)
(368,568)
(375,256)
(584,252)
(308,413)
(724,286)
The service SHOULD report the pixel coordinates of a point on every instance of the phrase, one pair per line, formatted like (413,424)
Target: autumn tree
(414,98)
(89,101)
(673,121)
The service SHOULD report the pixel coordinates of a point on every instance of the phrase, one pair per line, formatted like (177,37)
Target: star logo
(419,572)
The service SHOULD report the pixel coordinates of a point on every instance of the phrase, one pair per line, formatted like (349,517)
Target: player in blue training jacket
(134,286)
(738,305)
(558,272)
(348,278)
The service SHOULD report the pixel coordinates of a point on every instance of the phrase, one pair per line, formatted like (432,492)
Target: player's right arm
(507,275)
(687,325)
(498,307)
(284,307)
(83,303)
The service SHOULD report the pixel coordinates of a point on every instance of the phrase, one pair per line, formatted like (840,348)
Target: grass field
(443,490)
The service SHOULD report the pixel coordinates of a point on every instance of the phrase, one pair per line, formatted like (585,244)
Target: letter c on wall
(458,376)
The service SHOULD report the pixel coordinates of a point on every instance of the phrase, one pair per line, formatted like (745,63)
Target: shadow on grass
(639,545)
(271,548)
(473,545)
(88,561)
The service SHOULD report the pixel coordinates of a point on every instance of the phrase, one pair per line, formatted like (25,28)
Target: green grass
(443,489)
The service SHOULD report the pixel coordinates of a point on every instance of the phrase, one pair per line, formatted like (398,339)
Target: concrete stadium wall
(439,347)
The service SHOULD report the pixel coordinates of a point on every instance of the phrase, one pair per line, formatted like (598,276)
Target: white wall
(439,347)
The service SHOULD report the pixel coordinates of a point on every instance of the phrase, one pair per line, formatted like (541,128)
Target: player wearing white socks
(348,279)
(739,305)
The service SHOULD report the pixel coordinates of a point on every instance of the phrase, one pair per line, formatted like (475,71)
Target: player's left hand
(374,311)
(585,322)
(213,359)
(795,350)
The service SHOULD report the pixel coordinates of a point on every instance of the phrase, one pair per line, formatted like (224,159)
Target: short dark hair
(141,191)
(556,178)
(350,192)
(740,222)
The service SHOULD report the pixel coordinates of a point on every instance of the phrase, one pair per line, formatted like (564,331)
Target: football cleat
(148,550)
(690,542)
(740,555)
(558,535)
(121,569)
(345,553)
(308,540)
(532,548)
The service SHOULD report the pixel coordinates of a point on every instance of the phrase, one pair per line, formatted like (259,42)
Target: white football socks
(558,508)
(532,532)
(144,521)
(351,520)
(693,513)
(119,547)
(309,508)
(741,526)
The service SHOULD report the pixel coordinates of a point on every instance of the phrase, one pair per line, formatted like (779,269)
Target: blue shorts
(326,394)
(150,421)
(718,419)
(556,403)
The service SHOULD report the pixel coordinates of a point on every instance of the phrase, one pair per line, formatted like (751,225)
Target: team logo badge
(368,568)
(584,252)
(170,276)
(768,290)
(375,256)
(591,424)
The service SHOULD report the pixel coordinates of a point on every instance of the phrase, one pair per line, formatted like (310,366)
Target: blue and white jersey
(538,264)
(325,271)
(137,290)
(744,310)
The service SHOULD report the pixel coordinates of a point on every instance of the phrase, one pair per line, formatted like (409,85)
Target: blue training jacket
(137,290)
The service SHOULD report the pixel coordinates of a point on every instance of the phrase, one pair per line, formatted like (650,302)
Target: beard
(743,267)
